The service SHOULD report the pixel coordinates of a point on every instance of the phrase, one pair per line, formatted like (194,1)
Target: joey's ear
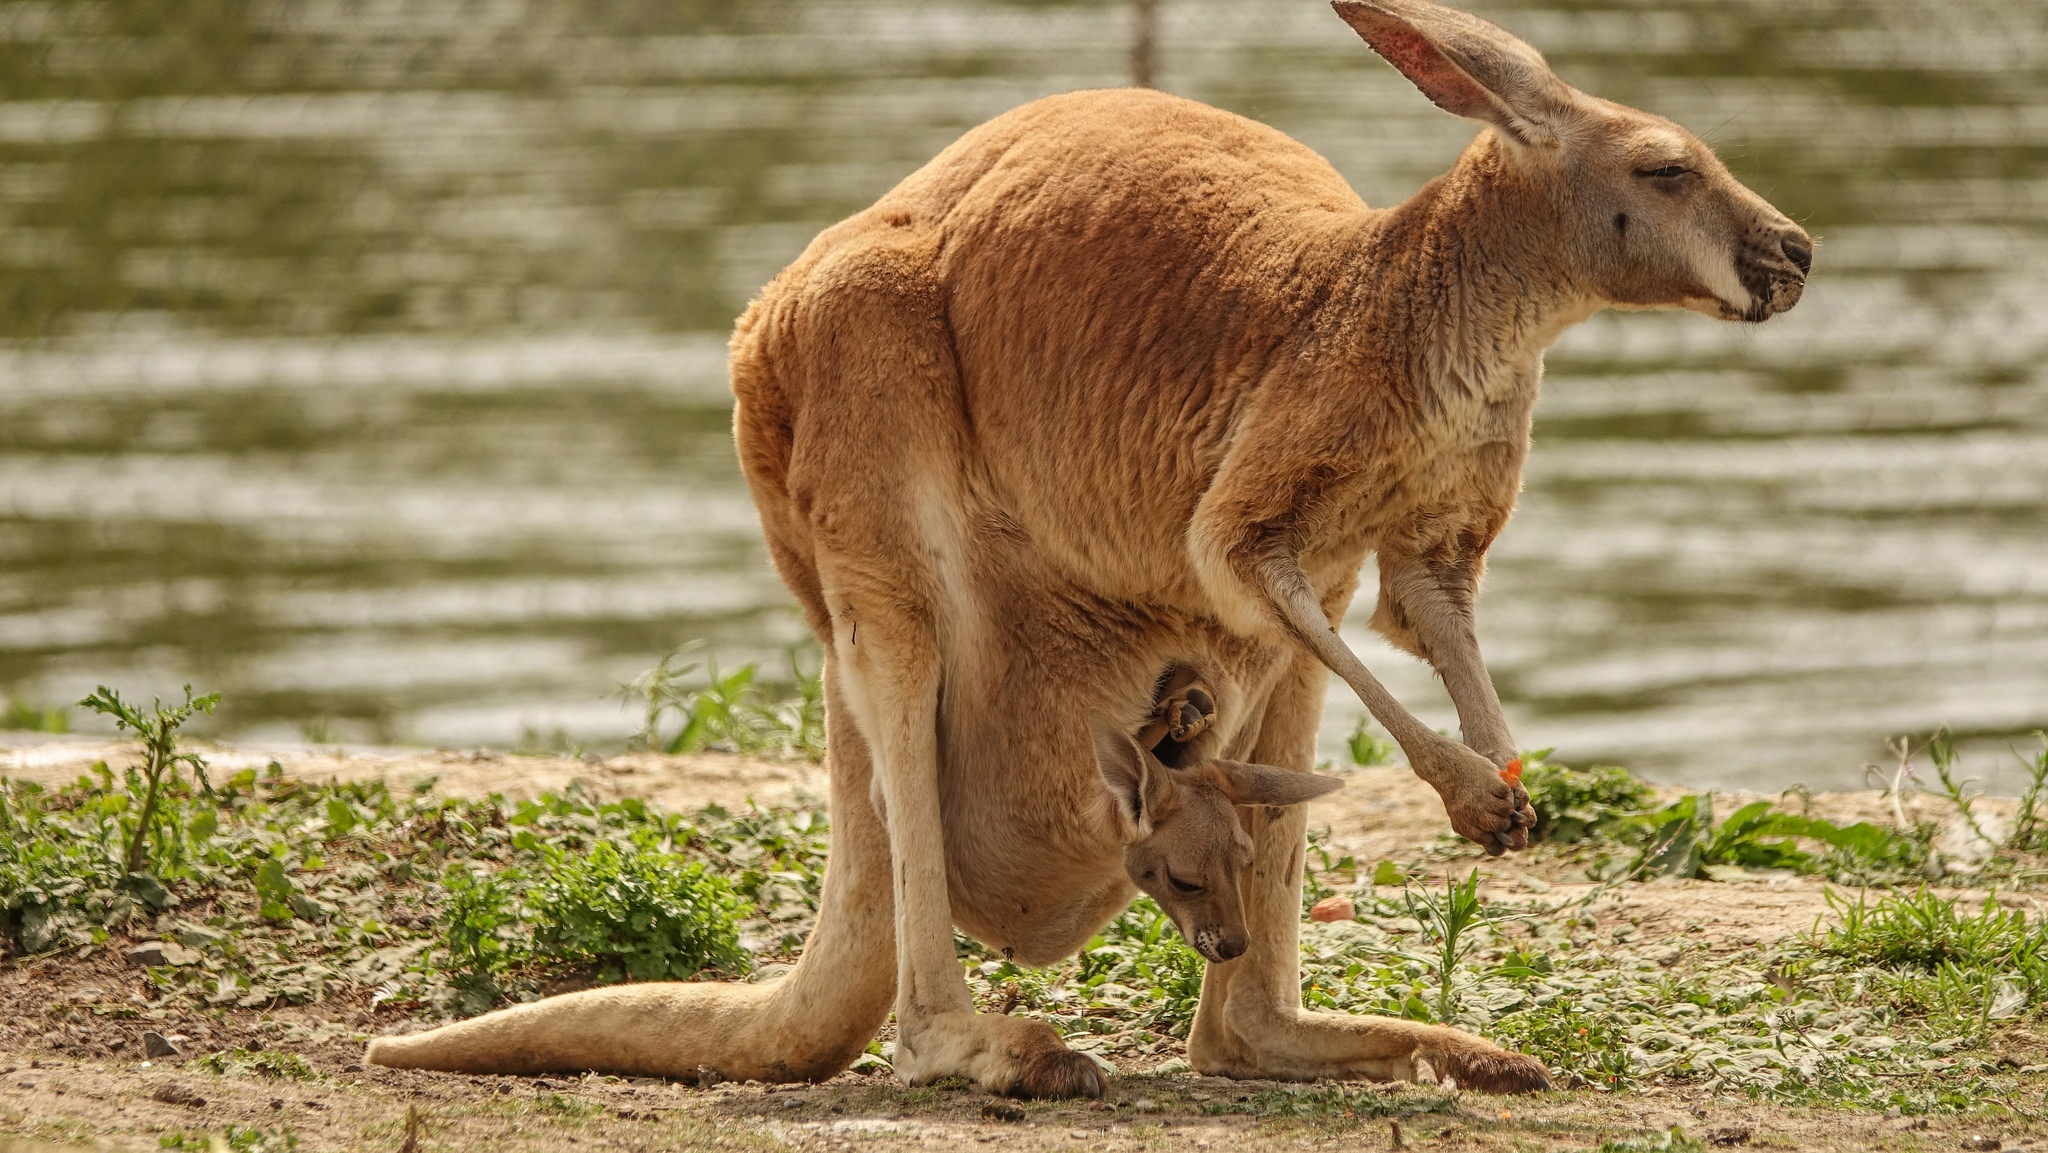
(1264,785)
(1465,65)
(1138,783)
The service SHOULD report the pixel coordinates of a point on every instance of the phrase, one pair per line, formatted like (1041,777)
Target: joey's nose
(1799,250)
(1229,946)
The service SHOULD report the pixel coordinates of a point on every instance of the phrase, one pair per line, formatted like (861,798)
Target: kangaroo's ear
(1138,783)
(1265,785)
(1465,65)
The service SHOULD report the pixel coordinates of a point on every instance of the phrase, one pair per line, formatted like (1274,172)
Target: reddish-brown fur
(1119,384)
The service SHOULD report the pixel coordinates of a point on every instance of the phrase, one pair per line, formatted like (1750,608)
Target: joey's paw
(1058,1073)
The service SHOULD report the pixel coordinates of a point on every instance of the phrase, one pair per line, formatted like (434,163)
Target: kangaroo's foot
(1016,1056)
(1297,1045)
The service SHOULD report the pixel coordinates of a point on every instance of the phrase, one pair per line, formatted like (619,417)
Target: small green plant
(478,918)
(1926,931)
(1960,972)
(633,913)
(639,914)
(1141,950)
(22,716)
(261,1063)
(1941,750)
(1447,923)
(728,709)
(566,1105)
(1682,839)
(2028,828)
(1575,805)
(1369,748)
(158,730)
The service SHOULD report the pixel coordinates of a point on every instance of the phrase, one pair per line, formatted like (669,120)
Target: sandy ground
(114,1099)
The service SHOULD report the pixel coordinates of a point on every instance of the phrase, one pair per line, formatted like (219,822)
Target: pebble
(173,1093)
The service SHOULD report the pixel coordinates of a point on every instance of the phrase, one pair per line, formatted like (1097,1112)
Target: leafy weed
(262,1063)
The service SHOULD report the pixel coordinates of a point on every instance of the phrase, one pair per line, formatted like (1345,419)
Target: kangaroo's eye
(1180,886)
(1668,172)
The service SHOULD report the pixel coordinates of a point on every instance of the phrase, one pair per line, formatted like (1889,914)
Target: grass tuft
(731,711)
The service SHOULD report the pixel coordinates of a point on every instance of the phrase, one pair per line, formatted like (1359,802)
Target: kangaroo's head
(1183,845)
(1643,213)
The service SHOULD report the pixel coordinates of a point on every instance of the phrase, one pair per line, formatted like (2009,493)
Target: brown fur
(1119,383)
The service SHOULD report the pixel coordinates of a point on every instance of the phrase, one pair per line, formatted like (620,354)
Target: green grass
(293,892)
(1574,805)
(1607,813)
(271,1063)
(232,1139)
(733,711)
(288,891)
(626,914)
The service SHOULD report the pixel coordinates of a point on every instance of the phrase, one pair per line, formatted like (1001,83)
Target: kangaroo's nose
(1799,250)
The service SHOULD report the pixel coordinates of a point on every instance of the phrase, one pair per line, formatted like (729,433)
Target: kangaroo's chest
(1453,474)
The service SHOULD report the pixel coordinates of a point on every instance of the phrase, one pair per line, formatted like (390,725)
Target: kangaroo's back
(1110,268)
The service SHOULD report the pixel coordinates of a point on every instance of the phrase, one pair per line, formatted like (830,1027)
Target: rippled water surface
(364,359)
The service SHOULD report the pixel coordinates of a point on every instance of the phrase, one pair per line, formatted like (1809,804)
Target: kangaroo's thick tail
(805,1027)
(664,1029)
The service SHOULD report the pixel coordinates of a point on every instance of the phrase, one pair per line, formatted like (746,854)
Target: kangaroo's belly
(1034,859)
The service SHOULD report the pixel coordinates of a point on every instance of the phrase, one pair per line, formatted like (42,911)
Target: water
(364,360)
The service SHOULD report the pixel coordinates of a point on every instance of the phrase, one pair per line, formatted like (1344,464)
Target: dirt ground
(74,1075)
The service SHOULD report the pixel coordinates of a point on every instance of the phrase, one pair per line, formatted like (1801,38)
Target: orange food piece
(1334,909)
(1512,774)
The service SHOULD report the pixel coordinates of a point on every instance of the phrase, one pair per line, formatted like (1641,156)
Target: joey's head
(1183,845)
(1636,211)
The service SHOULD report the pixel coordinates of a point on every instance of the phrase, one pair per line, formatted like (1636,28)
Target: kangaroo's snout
(1798,249)
(1220,943)
(1773,270)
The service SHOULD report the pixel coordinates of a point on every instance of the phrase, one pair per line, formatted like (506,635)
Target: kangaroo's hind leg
(805,1027)
(878,465)
(1250,1022)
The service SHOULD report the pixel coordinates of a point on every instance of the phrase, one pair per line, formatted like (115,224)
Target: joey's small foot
(1185,710)
(1189,713)
(1058,1073)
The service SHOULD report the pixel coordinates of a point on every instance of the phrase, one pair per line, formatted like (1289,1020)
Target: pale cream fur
(1119,384)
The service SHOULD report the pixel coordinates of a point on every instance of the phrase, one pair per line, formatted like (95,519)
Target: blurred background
(363,359)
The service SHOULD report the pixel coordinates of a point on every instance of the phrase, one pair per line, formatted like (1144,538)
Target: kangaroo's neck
(1470,277)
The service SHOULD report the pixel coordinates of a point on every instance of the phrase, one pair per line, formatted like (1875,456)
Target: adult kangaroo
(1119,391)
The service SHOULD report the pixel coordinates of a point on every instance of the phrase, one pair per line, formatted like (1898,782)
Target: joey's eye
(1668,172)
(1180,886)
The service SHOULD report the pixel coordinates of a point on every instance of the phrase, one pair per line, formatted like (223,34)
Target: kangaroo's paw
(1011,1055)
(1483,807)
